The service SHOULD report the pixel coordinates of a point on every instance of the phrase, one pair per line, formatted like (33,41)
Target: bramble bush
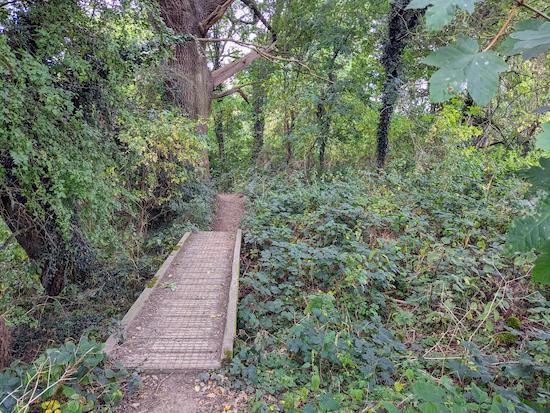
(361,291)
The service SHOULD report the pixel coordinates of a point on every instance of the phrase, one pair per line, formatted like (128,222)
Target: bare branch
(258,15)
(503,27)
(230,92)
(8,2)
(540,13)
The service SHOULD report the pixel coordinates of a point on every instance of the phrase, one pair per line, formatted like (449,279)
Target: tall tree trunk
(400,26)
(258,102)
(191,84)
(289,121)
(218,131)
(258,97)
(324,125)
(218,117)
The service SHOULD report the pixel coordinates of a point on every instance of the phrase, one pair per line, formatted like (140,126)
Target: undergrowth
(363,293)
(33,323)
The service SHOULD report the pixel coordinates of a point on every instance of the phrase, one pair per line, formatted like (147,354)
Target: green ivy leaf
(431,407)
(442,11)
(462,66)
(315,381)
(543,139)
(331,404)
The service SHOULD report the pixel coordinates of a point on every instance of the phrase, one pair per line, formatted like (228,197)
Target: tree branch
(225,72)
(252,6)
(8,2)
(214,17)
(258,51)
(230,92)
(12,236)
(503,27)
(540,13)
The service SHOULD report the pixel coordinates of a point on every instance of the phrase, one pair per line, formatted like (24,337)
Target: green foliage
(530,232)
(442,11)
(530,39)
(72,378)
(463,67)
(354,281)
(53,107)
(162,150)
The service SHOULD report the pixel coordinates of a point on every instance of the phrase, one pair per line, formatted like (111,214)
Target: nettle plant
(464,67)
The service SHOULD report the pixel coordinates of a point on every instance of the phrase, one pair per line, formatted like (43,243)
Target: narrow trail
(184,392)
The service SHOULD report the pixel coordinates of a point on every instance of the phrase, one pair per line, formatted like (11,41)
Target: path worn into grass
(181,328)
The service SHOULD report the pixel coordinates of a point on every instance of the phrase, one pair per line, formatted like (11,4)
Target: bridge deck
(183,322)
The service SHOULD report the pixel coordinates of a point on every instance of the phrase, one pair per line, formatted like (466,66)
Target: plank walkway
(187,320)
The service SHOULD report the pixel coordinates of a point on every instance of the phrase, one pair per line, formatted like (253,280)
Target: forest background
(386,148)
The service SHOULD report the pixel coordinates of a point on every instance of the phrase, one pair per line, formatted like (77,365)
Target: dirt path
(229,212)
(185,393)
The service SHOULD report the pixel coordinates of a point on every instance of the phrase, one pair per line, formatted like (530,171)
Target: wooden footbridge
(186,320)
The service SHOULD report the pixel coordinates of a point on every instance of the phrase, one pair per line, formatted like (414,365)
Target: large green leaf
(462,66)
(530,39)
(538,177)
(541,270)
(390,407)
(531,231)
(508,47)
(442,11)
(543,139)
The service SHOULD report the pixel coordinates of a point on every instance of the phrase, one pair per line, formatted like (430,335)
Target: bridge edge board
(231,318)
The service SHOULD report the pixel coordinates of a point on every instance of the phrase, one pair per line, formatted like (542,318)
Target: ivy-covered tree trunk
(401,24)
(218,131)
(324,125)
(62,256)
(289,121)
(258,102)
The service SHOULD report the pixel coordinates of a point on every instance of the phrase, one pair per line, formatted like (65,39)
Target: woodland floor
(184,392)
